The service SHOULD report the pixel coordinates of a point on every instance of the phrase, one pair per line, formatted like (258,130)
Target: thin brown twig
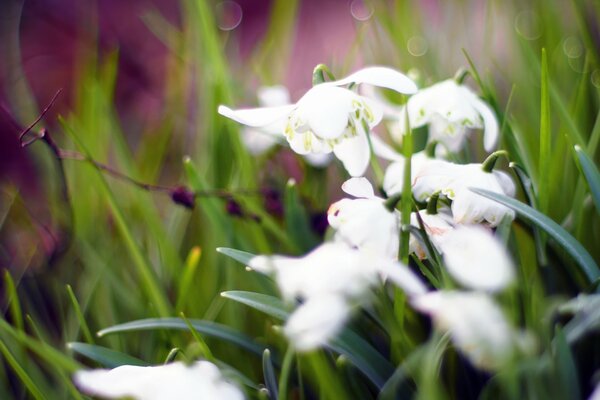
(38,119)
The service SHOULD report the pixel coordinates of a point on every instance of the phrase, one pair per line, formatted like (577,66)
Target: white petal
(358,187)
(490,124)
(257,117)
(175,380)
(316,322)
(326,109)
(476,324)
(257,141)
(476,259)
(383,150)
(403,277)
(382,77)
(318,160)
(273,96)
(354,154)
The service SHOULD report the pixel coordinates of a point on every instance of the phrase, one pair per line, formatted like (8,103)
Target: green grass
(134,255)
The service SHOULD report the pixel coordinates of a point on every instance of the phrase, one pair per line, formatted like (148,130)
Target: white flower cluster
(332,279)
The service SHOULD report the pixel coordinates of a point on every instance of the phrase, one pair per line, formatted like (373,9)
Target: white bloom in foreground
(365,222)
(477,259)
(200,380)
(449,109)
(329,280)
(454,181)
(476,325)
(316,321)
(330,118)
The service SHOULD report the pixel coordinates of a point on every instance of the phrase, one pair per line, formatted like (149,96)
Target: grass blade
(238,255)
(591,173)
(207,328)
(21,373)
(268,304)
(269,375)
(108,358)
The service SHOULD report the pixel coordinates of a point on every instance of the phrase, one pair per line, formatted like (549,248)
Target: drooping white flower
(316,321)
(329,280)
(200,380)
(476,324)
(450,109)
(365,222)
(259,140)
(329,118)
(454,181)
(476,259)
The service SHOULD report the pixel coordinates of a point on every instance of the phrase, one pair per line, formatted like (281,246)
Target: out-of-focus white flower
(316,321)
(259,140)
(454,181)
(365,222)
(449,109)
(330,118)
(476,259)
(596,393)
(329,280)
(476,325)
(437,226)
(200,380)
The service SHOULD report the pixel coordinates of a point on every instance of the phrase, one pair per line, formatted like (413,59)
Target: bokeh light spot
(527,25)
(360,10)
(229,15)
(417,46)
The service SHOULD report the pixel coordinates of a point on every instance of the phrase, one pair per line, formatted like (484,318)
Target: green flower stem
(430,149)
(432,203)
(490,162)
(319,74)
(461,75)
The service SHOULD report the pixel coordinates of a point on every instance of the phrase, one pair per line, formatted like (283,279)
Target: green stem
(319,74)
(490,162)
(432,204)
(286,368)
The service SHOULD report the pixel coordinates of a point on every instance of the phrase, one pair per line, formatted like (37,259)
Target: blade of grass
(82,323)
(107,358)
(12,299)
(591,173)
(21,373)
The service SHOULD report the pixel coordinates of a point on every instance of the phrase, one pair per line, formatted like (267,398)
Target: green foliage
(134,260)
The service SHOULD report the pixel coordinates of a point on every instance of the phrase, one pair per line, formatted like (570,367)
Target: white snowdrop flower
(259,140)
(476,259)
(476,324)
(316,321)
(449,109)
(365,222)
(437,226)
(328,281)
(200,380)
(330,118)
(454,181)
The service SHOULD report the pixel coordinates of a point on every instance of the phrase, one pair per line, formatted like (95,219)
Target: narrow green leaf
(545,140)
(108,358)
(269,375)
(566,367)
(296,219)
(587,264)
(268,304)
(21,373)
(189,270)
(591,173)
(207,328)
(368,360)
(238,255)
(12,299)
(82,323)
